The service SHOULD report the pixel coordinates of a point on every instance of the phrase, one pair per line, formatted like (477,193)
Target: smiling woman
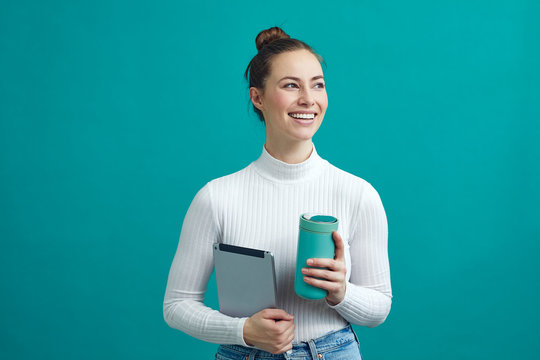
(259,207)
(293,106)
(287,89)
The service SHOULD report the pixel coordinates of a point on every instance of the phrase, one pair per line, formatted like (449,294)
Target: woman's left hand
(333,278)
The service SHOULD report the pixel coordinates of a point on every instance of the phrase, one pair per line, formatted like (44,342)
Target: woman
(259,207)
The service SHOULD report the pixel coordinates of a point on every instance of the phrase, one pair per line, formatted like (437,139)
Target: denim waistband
(323,344)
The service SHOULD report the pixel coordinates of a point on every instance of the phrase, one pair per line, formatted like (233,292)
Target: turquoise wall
(114,113)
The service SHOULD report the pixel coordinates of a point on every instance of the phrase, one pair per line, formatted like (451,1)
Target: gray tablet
(246,280)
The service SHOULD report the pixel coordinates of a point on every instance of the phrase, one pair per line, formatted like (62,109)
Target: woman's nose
(306,98)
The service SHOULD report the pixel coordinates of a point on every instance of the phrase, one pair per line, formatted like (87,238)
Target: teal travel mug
(314,241)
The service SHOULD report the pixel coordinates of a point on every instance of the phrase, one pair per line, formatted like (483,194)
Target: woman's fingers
(323,274)
(339,247)
(269,329)
(329,274)
(276,314)
(338,262)
(285,342)
(331,286)
(335,265)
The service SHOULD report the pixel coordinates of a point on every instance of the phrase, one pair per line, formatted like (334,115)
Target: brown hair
(271,42)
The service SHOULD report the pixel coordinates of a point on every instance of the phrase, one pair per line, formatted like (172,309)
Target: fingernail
(309,262)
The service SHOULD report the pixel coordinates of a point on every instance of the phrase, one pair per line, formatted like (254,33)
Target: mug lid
(318,222)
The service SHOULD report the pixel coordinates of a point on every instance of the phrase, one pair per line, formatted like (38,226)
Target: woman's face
(294,100)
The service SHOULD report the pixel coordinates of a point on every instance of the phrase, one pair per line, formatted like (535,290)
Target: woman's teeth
(303,116)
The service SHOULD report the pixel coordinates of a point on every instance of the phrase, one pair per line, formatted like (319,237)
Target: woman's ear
(256,97)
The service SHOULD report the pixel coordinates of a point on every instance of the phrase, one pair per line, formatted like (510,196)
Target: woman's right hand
(271,330)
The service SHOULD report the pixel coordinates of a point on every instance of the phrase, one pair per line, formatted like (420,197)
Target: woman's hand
(333,278)
(271,330)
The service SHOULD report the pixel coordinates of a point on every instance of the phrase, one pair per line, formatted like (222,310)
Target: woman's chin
(304,135)
(307,132)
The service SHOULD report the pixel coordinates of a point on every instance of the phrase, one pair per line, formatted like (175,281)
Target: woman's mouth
(303,118)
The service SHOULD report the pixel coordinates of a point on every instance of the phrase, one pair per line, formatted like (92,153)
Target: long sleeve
(368,296)
(259,207)
(183,307)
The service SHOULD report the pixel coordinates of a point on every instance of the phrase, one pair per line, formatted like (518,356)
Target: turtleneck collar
(279,171)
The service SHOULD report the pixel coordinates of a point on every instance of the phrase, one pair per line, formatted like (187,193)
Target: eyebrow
(298,79)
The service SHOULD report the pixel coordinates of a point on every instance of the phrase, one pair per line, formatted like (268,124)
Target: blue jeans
(337,345)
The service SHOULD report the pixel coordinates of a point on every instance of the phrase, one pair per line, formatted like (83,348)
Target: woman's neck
(290,152)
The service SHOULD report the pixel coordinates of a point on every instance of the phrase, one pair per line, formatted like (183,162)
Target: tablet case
(246,280)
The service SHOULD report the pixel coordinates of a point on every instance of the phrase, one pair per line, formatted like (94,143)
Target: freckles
(283,100)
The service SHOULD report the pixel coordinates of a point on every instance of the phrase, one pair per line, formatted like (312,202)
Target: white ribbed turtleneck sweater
(259,207)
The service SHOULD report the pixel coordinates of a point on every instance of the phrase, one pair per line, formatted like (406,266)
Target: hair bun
(267,36)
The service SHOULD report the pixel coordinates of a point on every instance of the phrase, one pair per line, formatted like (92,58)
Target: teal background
(114,113)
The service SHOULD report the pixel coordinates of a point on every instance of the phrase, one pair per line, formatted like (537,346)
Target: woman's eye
(293,85)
